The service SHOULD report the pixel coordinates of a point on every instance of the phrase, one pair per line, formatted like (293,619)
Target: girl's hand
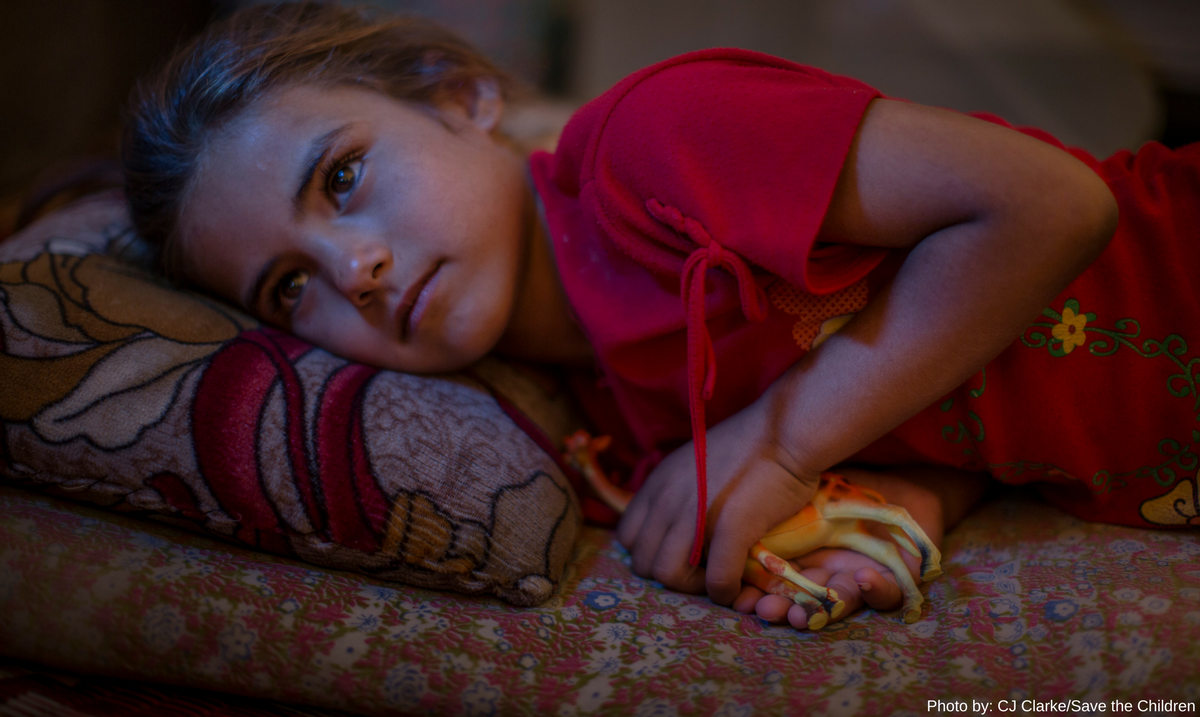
(752,486)
(996,224)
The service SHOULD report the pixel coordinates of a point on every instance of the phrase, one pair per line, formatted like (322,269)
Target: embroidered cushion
(121,390)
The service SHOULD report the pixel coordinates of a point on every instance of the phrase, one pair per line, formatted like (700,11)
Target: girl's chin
(442,344)
(448,360)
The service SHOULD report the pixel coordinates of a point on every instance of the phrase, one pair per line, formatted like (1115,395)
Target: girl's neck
(542,328)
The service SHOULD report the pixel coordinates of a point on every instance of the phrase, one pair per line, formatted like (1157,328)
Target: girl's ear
(486,104)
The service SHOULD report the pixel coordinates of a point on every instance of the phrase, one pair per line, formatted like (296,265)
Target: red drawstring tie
(701,359)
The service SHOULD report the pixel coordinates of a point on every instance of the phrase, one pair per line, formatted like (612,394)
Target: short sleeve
(747,145)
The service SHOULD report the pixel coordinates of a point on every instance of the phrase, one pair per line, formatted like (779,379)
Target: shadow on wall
(524,37)
(66,68)
(1093,72)
(1047,63)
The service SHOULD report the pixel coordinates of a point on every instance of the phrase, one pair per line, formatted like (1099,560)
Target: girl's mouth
(416,300)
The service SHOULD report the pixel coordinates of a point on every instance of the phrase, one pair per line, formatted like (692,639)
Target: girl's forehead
(290,121)
(279,132)
(294,108)
(302,104)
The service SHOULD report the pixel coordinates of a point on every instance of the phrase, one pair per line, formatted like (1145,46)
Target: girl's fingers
(777,608)
(848,591)
(644,547)
(797,617)
(631,521)
(726,563)
(740,525)
(671,567)
(773,608)
(879,590)
(659,551)
(747,599)
(856,588)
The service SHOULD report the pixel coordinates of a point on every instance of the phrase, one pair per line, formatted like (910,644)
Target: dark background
(1102,74)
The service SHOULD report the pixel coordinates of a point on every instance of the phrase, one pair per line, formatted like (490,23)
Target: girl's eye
(292,284)
(343,178)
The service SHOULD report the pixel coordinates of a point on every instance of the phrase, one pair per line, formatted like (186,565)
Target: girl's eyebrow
(313,159)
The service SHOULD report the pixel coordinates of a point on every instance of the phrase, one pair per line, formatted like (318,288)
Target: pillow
(121,390)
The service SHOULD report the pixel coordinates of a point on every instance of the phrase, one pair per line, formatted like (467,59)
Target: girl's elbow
(1090,212)
(1103,215)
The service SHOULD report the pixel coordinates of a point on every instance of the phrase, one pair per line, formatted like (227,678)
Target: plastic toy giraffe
(835,518)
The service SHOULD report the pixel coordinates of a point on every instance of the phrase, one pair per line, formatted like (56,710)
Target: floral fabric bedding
(1034,605)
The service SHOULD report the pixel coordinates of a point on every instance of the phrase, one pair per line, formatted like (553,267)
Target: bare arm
(998,223)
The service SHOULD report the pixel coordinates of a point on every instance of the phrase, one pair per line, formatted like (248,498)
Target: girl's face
(387,233)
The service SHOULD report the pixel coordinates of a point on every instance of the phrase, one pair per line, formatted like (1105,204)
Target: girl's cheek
(310,318)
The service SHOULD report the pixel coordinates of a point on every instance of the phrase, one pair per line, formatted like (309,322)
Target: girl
(344,179)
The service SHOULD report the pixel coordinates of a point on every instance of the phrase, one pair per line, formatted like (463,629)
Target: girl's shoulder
(745,146)
(724,89)
(714,67)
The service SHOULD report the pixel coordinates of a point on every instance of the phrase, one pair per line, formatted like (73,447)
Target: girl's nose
(363,271)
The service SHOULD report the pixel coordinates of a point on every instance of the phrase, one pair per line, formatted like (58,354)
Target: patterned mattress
(1034,605)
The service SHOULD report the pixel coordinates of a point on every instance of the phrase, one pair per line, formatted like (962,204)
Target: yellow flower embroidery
(1070,331)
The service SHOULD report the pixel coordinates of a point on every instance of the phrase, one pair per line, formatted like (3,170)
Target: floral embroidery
(1070,331)
(1074,328)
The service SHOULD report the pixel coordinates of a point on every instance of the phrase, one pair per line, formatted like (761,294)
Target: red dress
(684,205)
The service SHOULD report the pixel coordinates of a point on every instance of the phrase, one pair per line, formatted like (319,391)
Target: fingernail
(865,587)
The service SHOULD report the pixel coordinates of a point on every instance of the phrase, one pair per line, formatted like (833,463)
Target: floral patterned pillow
(126,392)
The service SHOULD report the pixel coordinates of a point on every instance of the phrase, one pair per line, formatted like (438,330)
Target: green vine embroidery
(1178,456)
(1016,468)
(977,392)
(1070,330)
(1072,327)
(960,432)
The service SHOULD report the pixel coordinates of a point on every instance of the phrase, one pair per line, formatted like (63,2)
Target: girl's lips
(416,300)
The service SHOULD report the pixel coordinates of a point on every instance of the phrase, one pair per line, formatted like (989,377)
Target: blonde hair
(173,113)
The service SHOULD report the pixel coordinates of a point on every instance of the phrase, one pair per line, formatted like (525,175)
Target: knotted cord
(701,358)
